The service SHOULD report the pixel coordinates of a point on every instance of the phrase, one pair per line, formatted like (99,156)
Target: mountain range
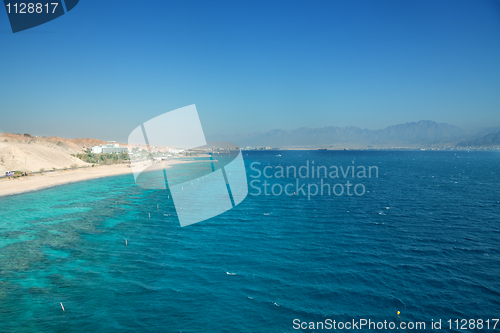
(424,133)
(492,139)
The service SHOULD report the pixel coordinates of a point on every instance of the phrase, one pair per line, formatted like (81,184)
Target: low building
(109,148)
(175,151)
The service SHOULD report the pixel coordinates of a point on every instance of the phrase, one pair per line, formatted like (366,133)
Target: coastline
(50,179)
(38,182)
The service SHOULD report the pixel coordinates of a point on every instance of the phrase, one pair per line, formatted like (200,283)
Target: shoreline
(37,182)
(41,181)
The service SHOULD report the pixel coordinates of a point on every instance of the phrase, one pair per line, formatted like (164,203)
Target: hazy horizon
(210,136)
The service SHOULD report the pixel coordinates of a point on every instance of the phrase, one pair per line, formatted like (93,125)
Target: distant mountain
(422,133)
(480,132)
(492,139)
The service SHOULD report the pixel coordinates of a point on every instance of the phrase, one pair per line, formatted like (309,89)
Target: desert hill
(31,153)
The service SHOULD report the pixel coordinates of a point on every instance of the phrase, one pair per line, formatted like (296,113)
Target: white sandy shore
(36,182)
(49,179)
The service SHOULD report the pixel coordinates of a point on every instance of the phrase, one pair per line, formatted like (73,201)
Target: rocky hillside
(31,153)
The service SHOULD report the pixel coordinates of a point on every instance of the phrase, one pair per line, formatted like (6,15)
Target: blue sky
(107,66)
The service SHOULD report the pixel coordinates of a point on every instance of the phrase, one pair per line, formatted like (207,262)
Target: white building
(109,148)
(176,151)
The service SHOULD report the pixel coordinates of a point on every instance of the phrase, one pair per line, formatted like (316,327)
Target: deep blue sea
(423,239)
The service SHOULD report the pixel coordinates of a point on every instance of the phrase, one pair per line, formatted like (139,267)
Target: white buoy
(126,243)
(157,206)
(62,306)
(149,215)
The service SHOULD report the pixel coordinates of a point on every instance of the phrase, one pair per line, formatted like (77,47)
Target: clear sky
(107,66)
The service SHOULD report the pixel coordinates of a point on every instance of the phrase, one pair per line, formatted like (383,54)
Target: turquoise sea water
(424,240)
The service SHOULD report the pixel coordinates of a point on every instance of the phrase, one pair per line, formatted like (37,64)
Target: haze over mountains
(27,152)
(492,139)
(424,133)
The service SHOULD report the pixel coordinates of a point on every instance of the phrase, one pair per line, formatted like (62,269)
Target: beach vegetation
(105,158)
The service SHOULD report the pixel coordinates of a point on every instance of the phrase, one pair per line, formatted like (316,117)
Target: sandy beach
(49,179)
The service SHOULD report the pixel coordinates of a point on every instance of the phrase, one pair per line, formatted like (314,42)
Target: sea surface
(423,239)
